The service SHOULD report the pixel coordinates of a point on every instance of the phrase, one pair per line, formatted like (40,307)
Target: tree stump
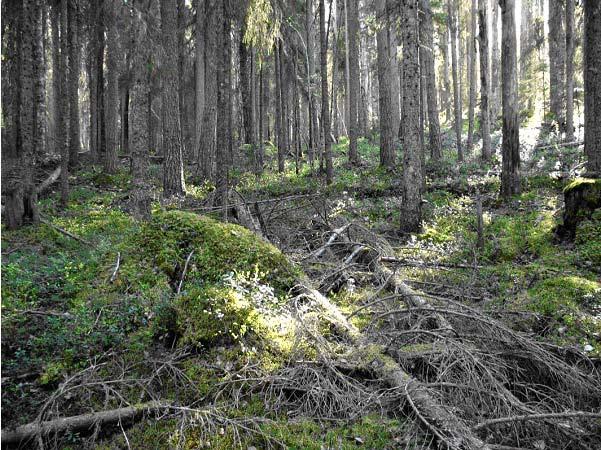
(582,196)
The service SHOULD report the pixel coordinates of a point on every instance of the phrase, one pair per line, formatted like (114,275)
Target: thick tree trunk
(387,149)
(74,52)
(325,118)
(412,151)
(39,80)
(112,87)
(181,59)
(484,86)
(570,70)
(209,120)
(427,58)
(246,91)
(510,174)
(452,23)
(592,86)
(472,76)
(56,81)
(173,168)
(557,62)
(352,26)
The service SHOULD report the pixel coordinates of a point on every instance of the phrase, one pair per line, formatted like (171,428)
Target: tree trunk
(510,173)
(387,150)
(209,120)
(138,113)
(570,70)
(352,26)
(444,48)
(39,80)
(224,105)
(93,79)
(427,57)
(325,117)
(112,87)
(181,59)
(412,170)
(64,101)
(495,70)
(246,91)
(557,62)
(592,86)
(312,143)
(484,87)
(56,81)
(472,76)
(452,23)
(173,168)
(199,79)
(279,122)
(74,52)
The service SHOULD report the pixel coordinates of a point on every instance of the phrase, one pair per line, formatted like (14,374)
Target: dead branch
(409,262)
(118,263)
(563,415)
(49,181)
(335,234)
(65,232)
(81,422)
(181,280)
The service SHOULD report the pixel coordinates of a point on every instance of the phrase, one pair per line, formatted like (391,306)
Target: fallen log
(450,431)
(49,181)
(31,430)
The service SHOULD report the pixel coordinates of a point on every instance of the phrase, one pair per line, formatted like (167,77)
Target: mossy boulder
(219,248)
(582,197)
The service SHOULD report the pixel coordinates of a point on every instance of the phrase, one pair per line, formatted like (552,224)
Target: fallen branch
(408,262)
(563,415)
(88,421)
(65,232)
(181,280)
(335,233)
(114,275)
(49,181)
(560,144)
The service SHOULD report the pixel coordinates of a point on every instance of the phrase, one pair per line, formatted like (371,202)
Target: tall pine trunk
(387,132)
(325,117)
(64,101)
(112,86)
(472,75)
(557,62)
(592,86)
(570,70)
(510,172)
(484,86)
(412,151)
(354,85)
(199,78)
(427,59)
(209,117)
(495,69)
(74,52)
(457,123)
(173,169)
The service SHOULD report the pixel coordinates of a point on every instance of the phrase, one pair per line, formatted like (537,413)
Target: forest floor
(100,312)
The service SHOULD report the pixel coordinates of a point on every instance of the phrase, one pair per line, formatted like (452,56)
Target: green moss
(219,248)
(588,241)
(578,182)
(561,296)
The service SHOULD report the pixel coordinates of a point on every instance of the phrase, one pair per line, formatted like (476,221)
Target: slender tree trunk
(557,62)
(387,153)
(444,47)
(56,80)
(570,70)
(427,57)
(64,100)
(112,87)
(495,70)
(592,87)
(39,78)
(412,170)
(484,87)
(224,105)
(472,76)
(246,91)
(352,26)
(452,23)
(199,84)
(74,52)
(93,79)
(279,122)
(311,145)
(510,174)
(181,59)
(325,119)
(173,169)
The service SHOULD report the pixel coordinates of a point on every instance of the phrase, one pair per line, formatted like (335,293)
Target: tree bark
(412,170)
(173,169)
(74,57)
(199,79)
(570,70)
(181,59)
(325,118)
(557,62)
(592,86)
(427,59)
(472,76)
(452,23)
(93,45)
(112,86)
(446,84)
(312,143)
(354,85)
(279,113)
(64,101)
(484,86)
(209,120)
(510,172)
(387,132)
(495,70)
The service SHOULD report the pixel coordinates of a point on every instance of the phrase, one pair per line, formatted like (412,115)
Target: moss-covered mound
(582,197)
(219,248)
